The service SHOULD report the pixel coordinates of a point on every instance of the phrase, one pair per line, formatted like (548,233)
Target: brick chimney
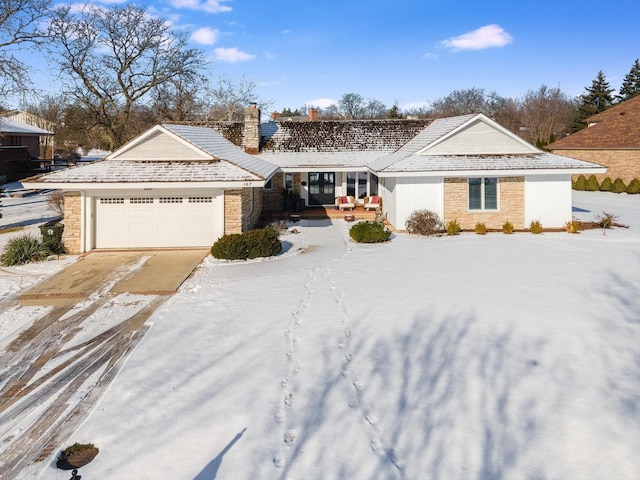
(275,115)
(313,114)
(252,129)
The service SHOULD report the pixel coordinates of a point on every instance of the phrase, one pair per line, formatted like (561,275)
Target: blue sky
(411,51)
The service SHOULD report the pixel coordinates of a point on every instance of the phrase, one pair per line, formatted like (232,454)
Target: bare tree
(545,113)
(375,109)
(112,58)
(352,105)
(462,102)
(179,100)
(19,22)
(55,201)
(228,98)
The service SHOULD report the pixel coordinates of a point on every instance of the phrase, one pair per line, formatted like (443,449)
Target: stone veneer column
(73,222)
(239,216)
(511,204)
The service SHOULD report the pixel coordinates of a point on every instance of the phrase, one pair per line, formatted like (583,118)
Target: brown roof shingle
(616,127)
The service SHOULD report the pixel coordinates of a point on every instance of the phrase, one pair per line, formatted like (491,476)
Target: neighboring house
(178,185)
(612,138)
(47,127)
(19,144)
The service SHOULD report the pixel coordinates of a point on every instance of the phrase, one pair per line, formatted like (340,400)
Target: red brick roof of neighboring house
(616,127)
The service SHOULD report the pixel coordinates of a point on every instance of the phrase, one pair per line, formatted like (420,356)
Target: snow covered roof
(116,171)
(15,127)
(467,163)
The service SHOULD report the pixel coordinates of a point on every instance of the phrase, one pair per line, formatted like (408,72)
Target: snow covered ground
(467,357)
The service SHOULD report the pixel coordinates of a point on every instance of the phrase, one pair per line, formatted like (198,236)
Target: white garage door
(158,221)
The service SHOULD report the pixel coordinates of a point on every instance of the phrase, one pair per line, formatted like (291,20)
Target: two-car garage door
(171,220)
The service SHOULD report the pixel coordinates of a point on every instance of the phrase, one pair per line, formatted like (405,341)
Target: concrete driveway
(151,272)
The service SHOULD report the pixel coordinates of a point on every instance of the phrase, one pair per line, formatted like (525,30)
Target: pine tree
(597,98)
(631,83)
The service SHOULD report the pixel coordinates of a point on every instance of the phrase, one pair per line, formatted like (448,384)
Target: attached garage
(174,186)
(169,220)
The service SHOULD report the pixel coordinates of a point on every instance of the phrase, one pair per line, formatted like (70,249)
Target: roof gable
(477,136)
(159,144)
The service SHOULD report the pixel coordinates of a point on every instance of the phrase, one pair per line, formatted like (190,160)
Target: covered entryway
(322,188)
(172,220)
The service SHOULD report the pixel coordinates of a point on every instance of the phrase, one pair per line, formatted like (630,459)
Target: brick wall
(511,204)
(239,216)
(273,198)
(620,163)
(72,222)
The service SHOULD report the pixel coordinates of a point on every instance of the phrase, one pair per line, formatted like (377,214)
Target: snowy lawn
(468,357)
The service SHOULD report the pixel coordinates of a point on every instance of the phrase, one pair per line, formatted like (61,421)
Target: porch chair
(346,202)
(374,202)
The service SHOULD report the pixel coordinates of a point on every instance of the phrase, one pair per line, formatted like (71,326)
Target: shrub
(592,184)
(369,232)
(572,226)
(77,455)
(24,249)
(580,183)
(480,228)
(634,186)
(507,227)
(606,219)
(262,243)
(424,222)
(453,227)
(55,201)
(618,186)
(605,186)
(535,227)
(231,246)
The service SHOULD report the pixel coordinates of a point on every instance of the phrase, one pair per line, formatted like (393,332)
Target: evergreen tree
(597,98)
(631,83)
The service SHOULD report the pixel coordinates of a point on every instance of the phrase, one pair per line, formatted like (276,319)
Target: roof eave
(494,173)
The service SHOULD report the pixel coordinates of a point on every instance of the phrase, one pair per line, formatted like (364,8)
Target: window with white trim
(200,199)
(288,182)
(483,193)
(170,199)
(111,201)
(138,200)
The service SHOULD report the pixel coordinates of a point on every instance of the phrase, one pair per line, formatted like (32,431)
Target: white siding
(387,190)
(410,194)
(479,138)
(548,199)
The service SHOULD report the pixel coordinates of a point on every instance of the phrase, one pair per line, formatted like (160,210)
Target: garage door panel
(161,221)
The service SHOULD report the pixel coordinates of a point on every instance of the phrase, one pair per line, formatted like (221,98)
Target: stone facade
(72,222)
(511,204)
(252,129)
(241,212)
(273,197)
(624,164)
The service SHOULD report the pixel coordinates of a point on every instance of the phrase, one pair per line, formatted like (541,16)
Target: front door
(322,188)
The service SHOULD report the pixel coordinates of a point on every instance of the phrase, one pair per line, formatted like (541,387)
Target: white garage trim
(164,219)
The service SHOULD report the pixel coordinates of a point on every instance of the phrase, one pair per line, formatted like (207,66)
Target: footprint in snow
(278,461)
(288,399)
(358,385)
(289,437)
(348,357)
(372,419)
(284,382)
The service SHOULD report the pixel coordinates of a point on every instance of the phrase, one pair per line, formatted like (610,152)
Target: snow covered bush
(369,232)
(77,455)
(230,247)
(24,249)
(424,222)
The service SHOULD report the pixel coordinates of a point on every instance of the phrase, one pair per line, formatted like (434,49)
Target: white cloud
(210,6)
(232,55)
(205,36)
(430,55)
(321,102)
(488,36)
(285,32)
